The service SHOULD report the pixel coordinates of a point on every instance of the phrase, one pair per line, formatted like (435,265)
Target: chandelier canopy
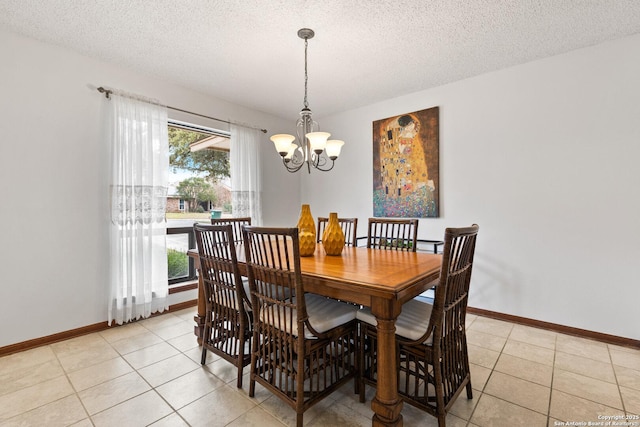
(313,148)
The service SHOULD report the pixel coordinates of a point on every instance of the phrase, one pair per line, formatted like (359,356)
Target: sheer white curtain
(138,137)
(246,186)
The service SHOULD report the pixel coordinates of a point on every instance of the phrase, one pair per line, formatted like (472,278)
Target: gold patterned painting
(406,179)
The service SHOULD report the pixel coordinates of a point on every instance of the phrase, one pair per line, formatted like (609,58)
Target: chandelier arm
(322,160)
(292,169)
(315,160)
(297,158)
(333,162)
(318,163)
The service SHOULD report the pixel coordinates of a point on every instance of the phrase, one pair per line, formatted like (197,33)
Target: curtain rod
(108,92)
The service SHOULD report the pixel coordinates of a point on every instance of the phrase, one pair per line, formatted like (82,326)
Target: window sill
(183,286)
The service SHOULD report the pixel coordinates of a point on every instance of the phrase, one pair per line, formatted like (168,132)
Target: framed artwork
(406,178)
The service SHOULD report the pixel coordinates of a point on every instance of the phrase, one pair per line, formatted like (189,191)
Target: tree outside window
(196,191)
(211,164)
(200,178)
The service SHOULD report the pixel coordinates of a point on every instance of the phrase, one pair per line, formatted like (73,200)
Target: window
(199,183)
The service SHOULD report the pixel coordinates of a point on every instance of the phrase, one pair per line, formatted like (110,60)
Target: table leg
(198,329)
(199,318)
(386,405)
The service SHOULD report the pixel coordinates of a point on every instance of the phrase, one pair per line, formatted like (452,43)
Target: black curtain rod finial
(106,92)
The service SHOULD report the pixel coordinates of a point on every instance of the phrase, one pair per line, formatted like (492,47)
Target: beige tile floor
(148,373)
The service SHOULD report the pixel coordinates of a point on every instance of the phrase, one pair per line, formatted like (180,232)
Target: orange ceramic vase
(333,236)
(306,232)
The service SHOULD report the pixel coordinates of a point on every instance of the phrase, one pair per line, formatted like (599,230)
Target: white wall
(53,169)
(544,157)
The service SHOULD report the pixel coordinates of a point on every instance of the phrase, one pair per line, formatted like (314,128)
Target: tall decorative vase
(306,232)
(333,236)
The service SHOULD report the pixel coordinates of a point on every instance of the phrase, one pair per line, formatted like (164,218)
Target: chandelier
(314,149)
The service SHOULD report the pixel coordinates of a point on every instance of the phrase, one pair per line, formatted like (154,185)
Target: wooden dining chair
(349,228)
(393,234)
(433,362)
(227,325)
(236,223)
(304,345)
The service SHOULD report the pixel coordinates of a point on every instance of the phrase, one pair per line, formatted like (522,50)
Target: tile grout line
(613,367)
(553,372)
(174,410)
(73,387)
(485,384)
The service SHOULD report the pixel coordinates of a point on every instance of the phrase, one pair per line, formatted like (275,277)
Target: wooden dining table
(380,279)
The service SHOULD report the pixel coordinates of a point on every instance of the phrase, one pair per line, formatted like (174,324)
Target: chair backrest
(275,281)
(219,268)
(394,234)
(236,223)
(447,322)
(349,228)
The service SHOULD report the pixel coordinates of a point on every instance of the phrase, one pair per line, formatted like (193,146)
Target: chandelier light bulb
(318,140)
(333,148)
(282,141)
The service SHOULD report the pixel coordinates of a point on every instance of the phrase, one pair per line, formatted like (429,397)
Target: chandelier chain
(306,77)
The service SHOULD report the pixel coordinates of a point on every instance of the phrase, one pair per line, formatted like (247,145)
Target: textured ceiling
(248,52)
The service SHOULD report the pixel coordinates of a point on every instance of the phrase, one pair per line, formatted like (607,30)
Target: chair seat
(412,322)
(324,314)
